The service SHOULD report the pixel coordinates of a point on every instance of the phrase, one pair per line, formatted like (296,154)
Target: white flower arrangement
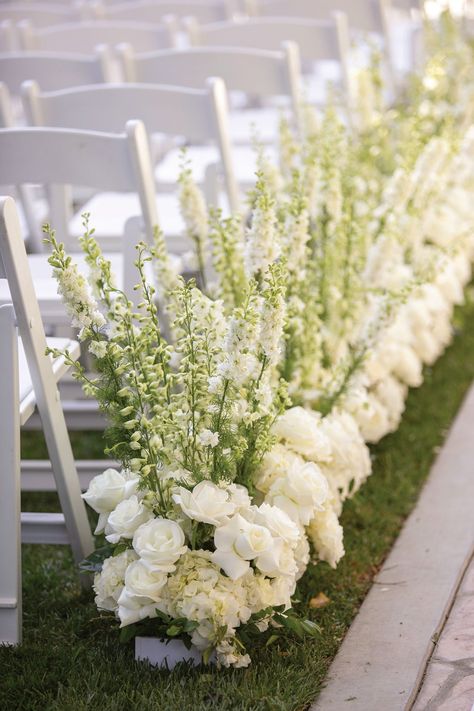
(243,434)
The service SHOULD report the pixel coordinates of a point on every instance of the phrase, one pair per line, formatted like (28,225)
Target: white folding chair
(197,115)
(28,380)
(55,70)
(119,162)
(153,12)
(256,73)
(318,40)
(84,37)
(269,79)
(366,17)
(44,15)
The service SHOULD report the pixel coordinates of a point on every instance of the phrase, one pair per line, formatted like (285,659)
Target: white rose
(278,522)
(277,559)
(131,609)
(108,489)
(326,535)
(369,413)
(300,429)
(143,582)
(237,542)
(392,394)
(206,503)
(300,493)
(124,520)
(160,542)
(108,584)
(275,464)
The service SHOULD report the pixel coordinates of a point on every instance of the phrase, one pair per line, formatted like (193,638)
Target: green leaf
(93,562)
(310,628)
(173,631)
(271,640)
(128,633)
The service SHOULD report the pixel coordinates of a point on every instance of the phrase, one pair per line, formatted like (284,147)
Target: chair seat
(110,211)
(200,157)
(51,306)
(50,302)
(27,395)
(261,122)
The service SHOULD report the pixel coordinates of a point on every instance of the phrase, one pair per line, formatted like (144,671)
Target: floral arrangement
(240,402)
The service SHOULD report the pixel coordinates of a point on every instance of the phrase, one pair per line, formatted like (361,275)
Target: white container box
(165,654)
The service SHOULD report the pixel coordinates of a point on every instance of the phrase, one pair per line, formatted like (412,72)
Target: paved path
(419,615)
(449,680)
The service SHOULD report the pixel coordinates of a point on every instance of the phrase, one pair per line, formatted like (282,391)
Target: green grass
(72,661)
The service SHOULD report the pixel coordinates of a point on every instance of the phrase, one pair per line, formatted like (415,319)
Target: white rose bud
(107,490)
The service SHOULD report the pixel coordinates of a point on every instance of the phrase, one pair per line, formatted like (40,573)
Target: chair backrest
(40,15)
(55,70)
(84,37)
(56,157)
(317,40)
(362,15)
(198,115)
(257,72)
(154,11)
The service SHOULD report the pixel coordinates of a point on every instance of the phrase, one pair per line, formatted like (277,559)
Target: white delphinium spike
(262,245)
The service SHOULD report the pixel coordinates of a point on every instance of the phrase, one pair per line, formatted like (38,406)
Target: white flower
(207,503)
(350,463)
(326,535)
(131,609)
(143,582)
(277,560)
(275,464)
(237,542)
(98,348)
(300,429)
(300,493)
(108,584)
(107,490)
(160,542)
(124,520)
(208,438)
(278,522)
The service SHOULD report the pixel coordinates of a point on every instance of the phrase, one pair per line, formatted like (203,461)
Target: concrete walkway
(411,646)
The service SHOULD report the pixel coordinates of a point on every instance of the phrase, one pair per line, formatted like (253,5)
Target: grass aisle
(71,661)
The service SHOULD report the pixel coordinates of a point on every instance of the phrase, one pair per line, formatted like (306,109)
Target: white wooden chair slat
(10,533)
(37,475)
(59,367)
(153,12)
(54,70)
(84,37)
(40,15)
(48,527)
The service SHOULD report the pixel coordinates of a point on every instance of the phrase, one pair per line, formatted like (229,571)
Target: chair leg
(10,486)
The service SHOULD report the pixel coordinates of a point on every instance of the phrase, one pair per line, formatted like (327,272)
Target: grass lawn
(72,661)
